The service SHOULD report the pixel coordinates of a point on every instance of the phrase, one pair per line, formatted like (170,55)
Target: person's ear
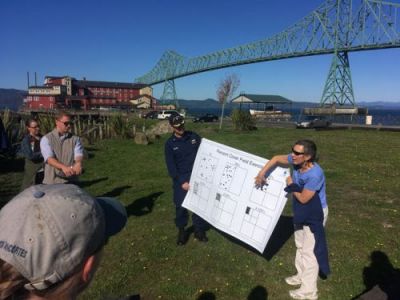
(89,268)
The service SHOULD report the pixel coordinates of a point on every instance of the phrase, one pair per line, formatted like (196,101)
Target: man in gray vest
(62,152)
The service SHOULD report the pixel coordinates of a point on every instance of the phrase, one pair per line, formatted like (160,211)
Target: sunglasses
(68,123)
(296,152)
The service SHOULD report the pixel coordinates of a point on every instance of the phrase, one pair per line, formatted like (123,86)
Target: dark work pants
(182,214)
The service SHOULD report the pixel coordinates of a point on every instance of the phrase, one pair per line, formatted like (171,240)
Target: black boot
(200,235)
(181,240)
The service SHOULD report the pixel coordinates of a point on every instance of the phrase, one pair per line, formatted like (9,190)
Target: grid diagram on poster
(255,224)
(269,194)
(223,193)
(204,178)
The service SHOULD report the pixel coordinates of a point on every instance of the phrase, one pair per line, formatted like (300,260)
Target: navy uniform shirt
(180,154)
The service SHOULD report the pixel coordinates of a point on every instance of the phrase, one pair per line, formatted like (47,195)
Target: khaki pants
(305,261)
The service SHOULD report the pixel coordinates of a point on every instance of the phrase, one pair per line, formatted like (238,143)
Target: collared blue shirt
(313,179)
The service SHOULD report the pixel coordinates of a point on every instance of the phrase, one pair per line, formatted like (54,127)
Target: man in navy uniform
(180,154)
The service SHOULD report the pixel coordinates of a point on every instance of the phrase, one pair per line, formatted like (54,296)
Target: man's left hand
(77,167)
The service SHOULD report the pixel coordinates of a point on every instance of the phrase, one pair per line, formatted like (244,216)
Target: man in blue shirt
(180,154)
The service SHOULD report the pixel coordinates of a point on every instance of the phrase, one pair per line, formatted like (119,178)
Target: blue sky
(120,40)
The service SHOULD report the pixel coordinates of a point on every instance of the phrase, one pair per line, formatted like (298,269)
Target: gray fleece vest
(64,153)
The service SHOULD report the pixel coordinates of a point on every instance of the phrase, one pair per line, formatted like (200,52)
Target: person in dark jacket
(30,149)
(4,143)
(310,212)
(180,154)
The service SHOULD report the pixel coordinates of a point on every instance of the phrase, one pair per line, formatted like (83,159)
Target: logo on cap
(176,121)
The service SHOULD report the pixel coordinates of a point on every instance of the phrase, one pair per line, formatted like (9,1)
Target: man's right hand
(77,168)
(185,186)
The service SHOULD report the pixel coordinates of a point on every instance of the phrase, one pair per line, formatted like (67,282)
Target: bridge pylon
(338,86)
(169,92)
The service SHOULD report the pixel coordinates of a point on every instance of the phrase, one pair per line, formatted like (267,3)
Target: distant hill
(200,104)
(190,104)
(11,98)
(214,104)
(381,105)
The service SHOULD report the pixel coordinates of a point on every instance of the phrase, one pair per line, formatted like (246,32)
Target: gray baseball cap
(48,231)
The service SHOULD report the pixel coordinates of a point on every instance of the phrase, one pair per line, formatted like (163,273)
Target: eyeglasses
(34,127)
(296,152)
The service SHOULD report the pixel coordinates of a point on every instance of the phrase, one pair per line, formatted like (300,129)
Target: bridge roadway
(336,26)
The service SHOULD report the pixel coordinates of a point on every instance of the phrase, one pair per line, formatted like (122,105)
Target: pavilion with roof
(262,105)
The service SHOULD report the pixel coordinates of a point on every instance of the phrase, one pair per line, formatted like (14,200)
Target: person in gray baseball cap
(51,238)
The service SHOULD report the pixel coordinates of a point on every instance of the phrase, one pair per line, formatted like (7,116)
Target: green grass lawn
(362,171)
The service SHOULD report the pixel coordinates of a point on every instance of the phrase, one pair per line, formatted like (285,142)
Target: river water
(379,116)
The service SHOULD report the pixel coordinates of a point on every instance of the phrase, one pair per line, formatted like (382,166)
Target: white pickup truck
(165,114)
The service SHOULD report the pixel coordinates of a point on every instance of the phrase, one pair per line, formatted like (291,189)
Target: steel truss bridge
(335,27)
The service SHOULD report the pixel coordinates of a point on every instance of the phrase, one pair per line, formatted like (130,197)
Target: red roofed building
(67,92)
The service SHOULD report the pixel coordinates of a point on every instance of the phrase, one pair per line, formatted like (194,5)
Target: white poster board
(222,192)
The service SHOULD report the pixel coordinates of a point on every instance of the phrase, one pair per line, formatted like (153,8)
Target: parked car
(206,118)
(314,123)
(151,115)
(165,114)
